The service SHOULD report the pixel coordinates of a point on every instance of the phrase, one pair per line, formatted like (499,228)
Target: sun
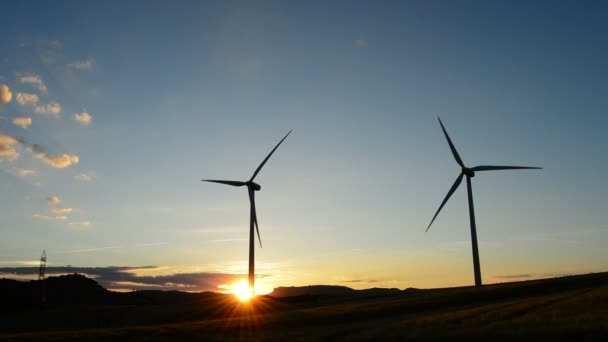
(242,290)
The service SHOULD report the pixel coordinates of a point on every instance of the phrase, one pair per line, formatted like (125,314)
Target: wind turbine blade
(454,152)
(493,168)
(233,183)
(268,157)
(452,189)
(255,214)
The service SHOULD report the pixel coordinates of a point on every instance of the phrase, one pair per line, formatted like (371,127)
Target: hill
(567,308)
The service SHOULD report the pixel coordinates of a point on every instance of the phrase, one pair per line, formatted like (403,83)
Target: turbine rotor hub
(255,186)
(468,172)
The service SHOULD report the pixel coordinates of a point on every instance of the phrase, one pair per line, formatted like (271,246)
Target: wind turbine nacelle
(256,186)
(468,172)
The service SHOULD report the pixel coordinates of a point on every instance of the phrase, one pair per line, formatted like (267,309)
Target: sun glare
(242,290)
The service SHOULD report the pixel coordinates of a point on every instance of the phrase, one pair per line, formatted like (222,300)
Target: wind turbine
(252,187)
(470,173)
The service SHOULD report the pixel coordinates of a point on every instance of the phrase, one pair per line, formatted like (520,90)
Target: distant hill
(325,290)
(78,289)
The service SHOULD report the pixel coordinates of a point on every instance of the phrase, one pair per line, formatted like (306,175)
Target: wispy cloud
(50,51)
(34,81)
(7,147)
(85,65)
(126,277)
(53,199)
(62,210)
(58,162)
(85,177)
(51,108)
(5,95)
(360,43)
(49,217)
(80,224)
(22,122)
(354,281)
(529,276)
(84,118)
(26,99)
(25,172)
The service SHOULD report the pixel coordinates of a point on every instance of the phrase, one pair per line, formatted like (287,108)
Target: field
(567,308)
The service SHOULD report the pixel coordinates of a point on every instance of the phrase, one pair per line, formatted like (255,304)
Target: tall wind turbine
(470,173)
(252,187)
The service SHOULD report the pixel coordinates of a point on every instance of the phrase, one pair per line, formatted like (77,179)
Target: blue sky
(177,92)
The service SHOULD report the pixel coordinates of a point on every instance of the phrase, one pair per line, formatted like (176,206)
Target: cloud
(85,65)
(49,50)
(53,199)
(58,162)
(7,149)
(22,122)
(52,108)
(85,177)
(26,99)
(33,80)
(513,277)
(61,210)
(25,172)
(116,277)
(5,95)
(47,217)
(360,43)
(84,118)
(80,224)
(360,281)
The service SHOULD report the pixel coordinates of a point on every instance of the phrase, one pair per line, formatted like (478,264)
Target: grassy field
(560,309)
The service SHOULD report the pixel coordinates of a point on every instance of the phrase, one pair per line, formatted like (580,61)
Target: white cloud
(33,80)
(85,177)
(47,217)
(59,162)
(26,99)
(360,43)
(25,172)
(84,118)
(52,108)
(53,199)
(81,224)
(7,149)
(5,95)
(85,65)
(62,210)
(22,122)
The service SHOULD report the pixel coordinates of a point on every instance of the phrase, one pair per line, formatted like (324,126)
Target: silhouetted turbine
(252,187)
(470,172)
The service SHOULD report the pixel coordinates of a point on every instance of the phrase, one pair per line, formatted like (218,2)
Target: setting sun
(242,290)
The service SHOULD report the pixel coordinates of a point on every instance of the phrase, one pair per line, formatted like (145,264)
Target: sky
(112,113)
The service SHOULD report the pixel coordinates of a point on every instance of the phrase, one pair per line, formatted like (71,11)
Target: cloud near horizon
(53,199)
(25,172)
(62,210)
(84,177)
(80,224)
(116,277)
